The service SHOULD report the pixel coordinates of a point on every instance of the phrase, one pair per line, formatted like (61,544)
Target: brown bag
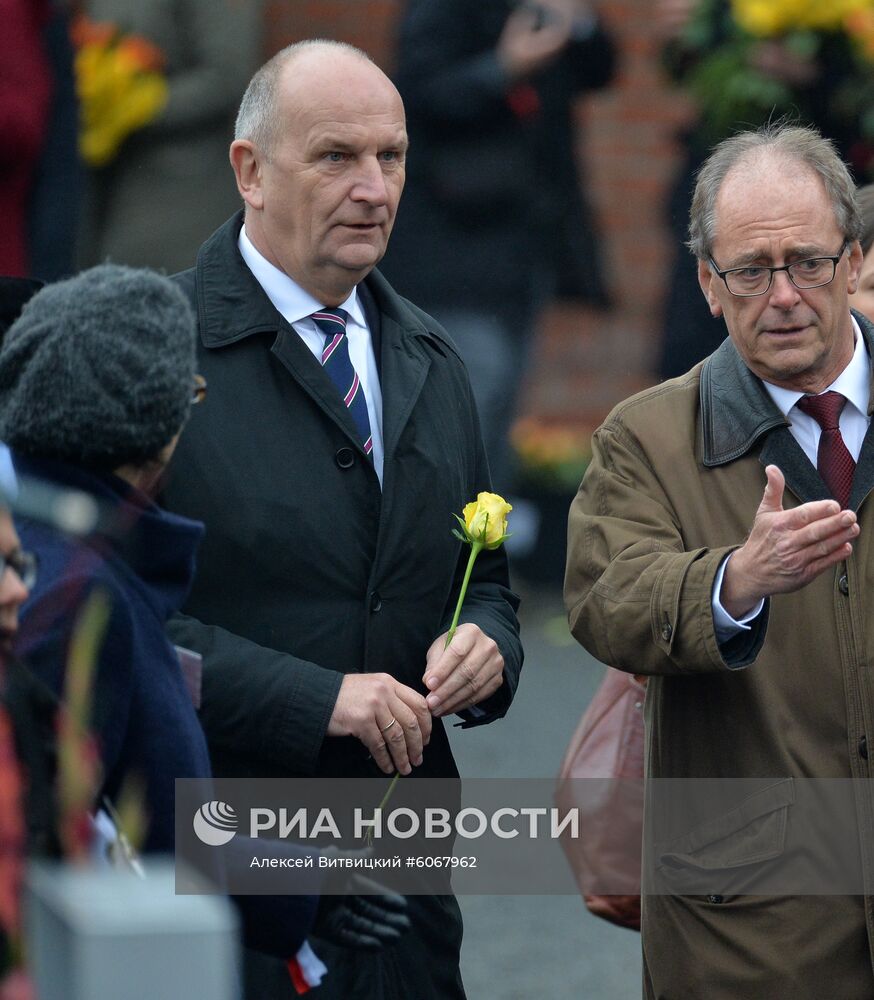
(608,744)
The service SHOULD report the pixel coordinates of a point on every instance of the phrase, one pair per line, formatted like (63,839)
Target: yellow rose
(485,519)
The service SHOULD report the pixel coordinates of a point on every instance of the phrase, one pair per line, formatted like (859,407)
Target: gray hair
(789,142)
(257,118)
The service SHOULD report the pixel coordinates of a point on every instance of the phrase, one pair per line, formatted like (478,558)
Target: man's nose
(782,292)
(370,185)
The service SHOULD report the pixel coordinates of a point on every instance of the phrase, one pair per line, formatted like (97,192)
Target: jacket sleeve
(257,700)
(637,599)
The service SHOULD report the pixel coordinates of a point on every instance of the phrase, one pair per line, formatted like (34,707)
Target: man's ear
(246,160)
(707,280)
(854,266)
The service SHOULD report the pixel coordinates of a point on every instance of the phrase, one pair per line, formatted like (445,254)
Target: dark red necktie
(833,459)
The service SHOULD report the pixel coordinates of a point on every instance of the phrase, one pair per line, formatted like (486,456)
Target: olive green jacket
(675,480)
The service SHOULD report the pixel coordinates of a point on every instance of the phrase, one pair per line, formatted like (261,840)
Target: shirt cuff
(725,626)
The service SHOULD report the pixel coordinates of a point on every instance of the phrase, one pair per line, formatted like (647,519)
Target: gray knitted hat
(98,370)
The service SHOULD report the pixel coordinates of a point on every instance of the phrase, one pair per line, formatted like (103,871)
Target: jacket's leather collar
(736,410)
(232,305)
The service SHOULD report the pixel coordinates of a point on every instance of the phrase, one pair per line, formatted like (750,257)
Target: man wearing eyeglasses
(719,543)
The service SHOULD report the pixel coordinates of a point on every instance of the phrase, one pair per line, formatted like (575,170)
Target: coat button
(345,458)
(863,748)
(375,601)
(667,631)
(844,584)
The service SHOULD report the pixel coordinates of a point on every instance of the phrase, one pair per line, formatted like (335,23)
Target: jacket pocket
(721,853)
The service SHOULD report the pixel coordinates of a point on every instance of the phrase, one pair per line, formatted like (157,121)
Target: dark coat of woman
(143,715)
(142,712)
(310,571)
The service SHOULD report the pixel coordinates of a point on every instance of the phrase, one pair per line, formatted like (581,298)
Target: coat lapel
(233,306)
(863,478)
(802,478)
(736,411)
(404,369)
(303,367)
(404,363)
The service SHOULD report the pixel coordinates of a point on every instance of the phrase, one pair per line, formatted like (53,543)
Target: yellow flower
(762,18)
(484,526)
(120,86)
(860,27)
(766,18)
(485,519)
(831,16)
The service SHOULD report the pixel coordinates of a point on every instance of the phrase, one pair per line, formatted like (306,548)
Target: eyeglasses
(23,564)
(755,279)
(198,392)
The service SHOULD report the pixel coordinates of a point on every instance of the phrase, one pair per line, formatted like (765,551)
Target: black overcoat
(309,571)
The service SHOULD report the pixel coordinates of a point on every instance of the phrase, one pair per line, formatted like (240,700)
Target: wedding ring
(386,729)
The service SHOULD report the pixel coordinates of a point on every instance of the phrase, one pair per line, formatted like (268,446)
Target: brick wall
(369,24)
(586,361)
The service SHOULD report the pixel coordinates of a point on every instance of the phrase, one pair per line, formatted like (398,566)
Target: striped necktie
(336,362)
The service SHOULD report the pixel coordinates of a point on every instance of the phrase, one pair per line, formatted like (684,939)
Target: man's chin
(787,368)
(361,258)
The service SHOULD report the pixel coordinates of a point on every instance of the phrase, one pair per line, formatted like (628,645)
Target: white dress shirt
(854,382)
(296,306)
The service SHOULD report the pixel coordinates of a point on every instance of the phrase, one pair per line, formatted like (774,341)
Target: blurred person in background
(738,81)
(863,300)
(55,205)
(495,221)
(39,158)
(168,182)
(25,96)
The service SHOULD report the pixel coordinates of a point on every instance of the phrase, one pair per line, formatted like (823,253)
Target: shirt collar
(854,382)
(292,302)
